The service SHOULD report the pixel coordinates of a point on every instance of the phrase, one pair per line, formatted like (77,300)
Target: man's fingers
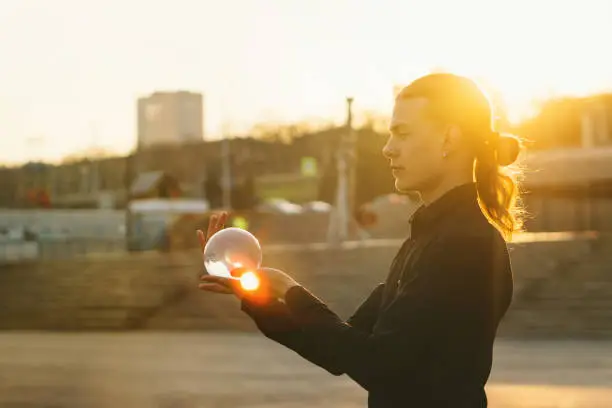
(215,279)
(215,224)
(219,280)
(220,284)
(215,288)
(201,239)
(212,225)
(222,220)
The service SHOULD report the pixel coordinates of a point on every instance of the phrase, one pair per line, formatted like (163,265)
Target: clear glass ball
(229,249)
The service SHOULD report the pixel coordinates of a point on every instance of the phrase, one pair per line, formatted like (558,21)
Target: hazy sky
(71,70)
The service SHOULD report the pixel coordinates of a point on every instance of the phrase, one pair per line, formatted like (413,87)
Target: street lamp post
(351,161)
(130,173)
(339,227)
(226,173)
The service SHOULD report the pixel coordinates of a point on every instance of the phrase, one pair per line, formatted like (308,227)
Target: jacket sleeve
(448,299)
(366,314)
(276,322)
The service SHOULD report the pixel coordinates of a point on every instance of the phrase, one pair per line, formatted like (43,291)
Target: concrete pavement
(195,370)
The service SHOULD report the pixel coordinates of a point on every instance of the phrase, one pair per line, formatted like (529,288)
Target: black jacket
(424,338)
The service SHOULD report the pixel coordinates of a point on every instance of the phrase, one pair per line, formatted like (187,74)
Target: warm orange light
(249,281)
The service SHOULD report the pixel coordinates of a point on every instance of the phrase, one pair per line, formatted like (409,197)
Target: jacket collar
(426,217)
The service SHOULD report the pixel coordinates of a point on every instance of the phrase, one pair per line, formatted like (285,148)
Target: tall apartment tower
(170,118)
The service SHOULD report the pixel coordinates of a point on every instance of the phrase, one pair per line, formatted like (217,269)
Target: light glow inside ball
(249,281)
(229,249)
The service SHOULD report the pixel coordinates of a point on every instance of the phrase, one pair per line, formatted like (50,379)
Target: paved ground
(178,370)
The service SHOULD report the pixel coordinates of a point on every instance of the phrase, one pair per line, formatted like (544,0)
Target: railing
(47,249)
(17,251)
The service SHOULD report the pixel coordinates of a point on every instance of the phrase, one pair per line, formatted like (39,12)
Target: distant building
(596,121)
(170,118)
(570,122)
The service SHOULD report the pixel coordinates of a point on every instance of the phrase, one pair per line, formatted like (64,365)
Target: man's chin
(403,187)
(410,190)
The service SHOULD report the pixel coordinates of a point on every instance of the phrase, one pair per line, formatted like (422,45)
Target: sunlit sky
(72,70)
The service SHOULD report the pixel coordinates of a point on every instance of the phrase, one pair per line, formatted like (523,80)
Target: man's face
(414,147)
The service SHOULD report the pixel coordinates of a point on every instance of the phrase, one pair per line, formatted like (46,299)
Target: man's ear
(452,139)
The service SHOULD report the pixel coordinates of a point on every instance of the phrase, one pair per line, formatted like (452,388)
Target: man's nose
(389,151)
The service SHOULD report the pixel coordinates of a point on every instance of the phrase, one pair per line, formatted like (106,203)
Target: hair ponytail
(497,187)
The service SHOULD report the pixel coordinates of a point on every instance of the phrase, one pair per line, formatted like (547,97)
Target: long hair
(458,100)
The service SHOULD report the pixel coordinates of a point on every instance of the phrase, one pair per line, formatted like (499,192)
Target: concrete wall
(157,291)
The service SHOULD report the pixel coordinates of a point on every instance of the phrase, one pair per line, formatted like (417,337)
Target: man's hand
(215,224)
(273,285)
